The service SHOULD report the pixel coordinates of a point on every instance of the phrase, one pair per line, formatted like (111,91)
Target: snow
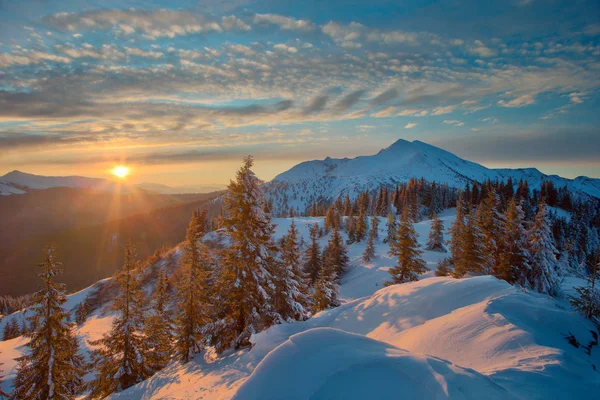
(7,189)
(31,181)
(476,336)
(335,364)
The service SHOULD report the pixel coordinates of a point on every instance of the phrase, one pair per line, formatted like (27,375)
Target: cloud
(410,125)
(481,50)
(520,101)
(349,100)
(453,122)
(443,110)
(384,97)
(286,23)
(285,48)
(316,105)
(25,57)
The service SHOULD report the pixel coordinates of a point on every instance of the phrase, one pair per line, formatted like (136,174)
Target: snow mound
(328,363)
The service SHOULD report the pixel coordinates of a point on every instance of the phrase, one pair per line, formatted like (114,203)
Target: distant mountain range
(328,179)
(17,182)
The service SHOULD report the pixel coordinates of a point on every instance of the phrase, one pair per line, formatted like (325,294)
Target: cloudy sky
(181,90)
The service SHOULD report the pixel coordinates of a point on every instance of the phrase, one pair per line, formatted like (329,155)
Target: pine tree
(312,256)
(121,354)
(247,264)
(587,300)
(351,229)
(473,257)
(512,262)
(193,295)
(53,368)
(361,226)
(3,394)
(369,252)
(291,300)
(391,228)
(543,276)
(11,330)
(332,219)
(491,223)
(436,235)
(456,232)
(159,325)
(405,248)
(335,254)
(82,312)
(443,267)
(326,286)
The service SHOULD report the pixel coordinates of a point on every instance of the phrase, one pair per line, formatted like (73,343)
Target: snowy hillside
(329,179)
(21,180)
(470,338)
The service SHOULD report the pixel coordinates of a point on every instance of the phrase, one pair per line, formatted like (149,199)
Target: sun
(120,171)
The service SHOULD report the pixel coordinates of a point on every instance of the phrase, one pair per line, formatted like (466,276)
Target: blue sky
(181,90)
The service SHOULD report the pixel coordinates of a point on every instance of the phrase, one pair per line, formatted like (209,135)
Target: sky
(180,91)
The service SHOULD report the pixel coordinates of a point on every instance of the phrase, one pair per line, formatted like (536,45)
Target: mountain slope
(24,180)
(328,179)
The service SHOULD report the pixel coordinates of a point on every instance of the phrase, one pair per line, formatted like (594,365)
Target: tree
(82,312)
(512,262)
(443,267)
(53,367)
(492,225)
(247,264)
(11,329)
(193,293)
(332,219)
(369,252)
(543,276)
(436,235)
(391,228)
(121,354)
(472,245)
(335,254)
(361,226)
(158,328)
(405,248)
(312,256)
(3,394)
(291,299)
(587,300)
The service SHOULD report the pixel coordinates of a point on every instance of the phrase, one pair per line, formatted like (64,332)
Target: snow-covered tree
(291,299)
(159,325)
(247,264)
(369,252)
(121,354)
(82,312)
(512,262)
(391,228)
(587,300)
(456,232)
(436,235)
(443,267)
(335,254)
(473,256)
(312,256)
(193,294)
(11,330)
(53,367)
(405,248)
(543,276)
(3,394)
(491,224)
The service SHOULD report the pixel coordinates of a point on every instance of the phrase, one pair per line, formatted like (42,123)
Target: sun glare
(120,171)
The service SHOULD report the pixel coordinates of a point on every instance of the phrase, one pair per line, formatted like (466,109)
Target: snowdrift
(326,363)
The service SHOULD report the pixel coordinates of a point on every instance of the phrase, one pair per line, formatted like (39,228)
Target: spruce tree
(543,276)
(405,248)
(3,394)
(326,286)
(436,235)
(247,264)
(159,325)
(11,330)
(82,312)
(335,254)
(361,226)
(121,354)
(391,228)
(473,257)
(291,300)
(351,229)
(312,256)
(512,262)
(369,252)
(443,267)
(456,232)
(587,301)
(53,367)
(193,294)
(492,225)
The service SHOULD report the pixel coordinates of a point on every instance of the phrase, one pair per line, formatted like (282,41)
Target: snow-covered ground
(438,338)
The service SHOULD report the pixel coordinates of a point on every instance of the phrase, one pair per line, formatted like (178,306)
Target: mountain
(328,179)
(17,182)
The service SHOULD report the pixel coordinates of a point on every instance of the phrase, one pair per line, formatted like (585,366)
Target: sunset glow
(120,171)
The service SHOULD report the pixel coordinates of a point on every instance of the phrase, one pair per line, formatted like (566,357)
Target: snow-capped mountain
(328,179)
(17,182)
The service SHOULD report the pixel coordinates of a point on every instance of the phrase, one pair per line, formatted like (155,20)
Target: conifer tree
(52,368)
(291,300)
(312,256)
(121,354)
(456,232)
(361,226)
(391,228)
(491,223)
(332,219)
(436,235)
(159,325)
(193,295)
(587,300)
(335,254)
(11,330)
(351,229)
(543,275)
(82,312)
(246,274)
(369,252)
(473,257)
(443,267)
(326,286)
(347,206)
(512,262)
(3,394)
(405,248)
